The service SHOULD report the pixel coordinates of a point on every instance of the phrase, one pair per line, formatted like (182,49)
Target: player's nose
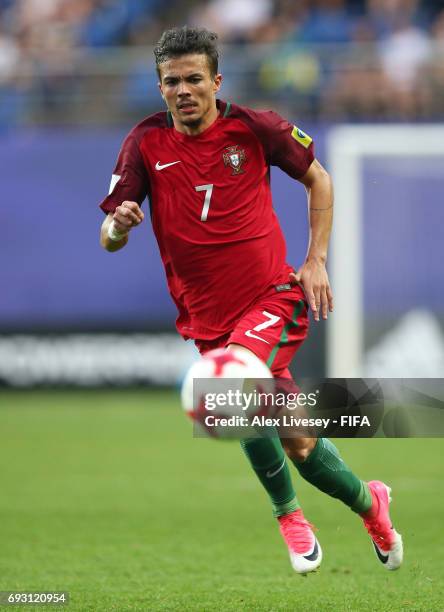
(183,89)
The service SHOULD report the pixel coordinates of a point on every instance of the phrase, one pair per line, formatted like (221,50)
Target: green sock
(325,469)
(268,460)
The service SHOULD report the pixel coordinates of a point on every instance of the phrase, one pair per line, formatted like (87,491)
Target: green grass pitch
(107,495)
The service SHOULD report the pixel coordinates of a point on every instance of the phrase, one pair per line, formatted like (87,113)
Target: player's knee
(299,449)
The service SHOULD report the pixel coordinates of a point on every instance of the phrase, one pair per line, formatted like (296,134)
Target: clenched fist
(127,216)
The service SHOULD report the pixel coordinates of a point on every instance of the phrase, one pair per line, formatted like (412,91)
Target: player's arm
(115,229)
(313,274)
(128,189)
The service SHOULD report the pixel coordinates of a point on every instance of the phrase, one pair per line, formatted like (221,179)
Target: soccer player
(205,166)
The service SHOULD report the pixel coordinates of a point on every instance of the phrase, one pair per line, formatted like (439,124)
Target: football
(222,391)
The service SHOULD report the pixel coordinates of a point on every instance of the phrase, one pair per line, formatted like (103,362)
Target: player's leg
(318,460)
(268,460)
(320,463)
(260,331)
(324,468)
(266,457)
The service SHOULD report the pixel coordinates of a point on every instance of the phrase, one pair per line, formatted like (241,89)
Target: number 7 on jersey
(206,206)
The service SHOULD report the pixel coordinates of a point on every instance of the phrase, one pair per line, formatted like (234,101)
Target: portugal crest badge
(234,157)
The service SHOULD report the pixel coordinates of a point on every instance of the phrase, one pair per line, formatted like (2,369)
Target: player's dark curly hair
(182,41)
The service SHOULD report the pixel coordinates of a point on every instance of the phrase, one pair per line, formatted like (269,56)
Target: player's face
(189,91)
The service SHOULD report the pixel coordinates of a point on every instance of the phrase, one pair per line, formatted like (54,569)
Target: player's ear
(217,82)
(159,85)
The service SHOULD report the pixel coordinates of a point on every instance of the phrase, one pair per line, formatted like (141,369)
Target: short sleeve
(129,180)
(286,145)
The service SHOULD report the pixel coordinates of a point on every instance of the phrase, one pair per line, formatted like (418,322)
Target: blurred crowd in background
(64,61)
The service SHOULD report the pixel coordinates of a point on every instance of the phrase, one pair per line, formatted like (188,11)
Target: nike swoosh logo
(381,557)
(250,334)
(160,166)
(314,555)
(271,474)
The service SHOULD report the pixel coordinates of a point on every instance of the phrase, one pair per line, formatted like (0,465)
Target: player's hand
(126,216)
(313,277)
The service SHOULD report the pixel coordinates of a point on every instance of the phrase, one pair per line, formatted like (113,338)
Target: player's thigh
(274,329)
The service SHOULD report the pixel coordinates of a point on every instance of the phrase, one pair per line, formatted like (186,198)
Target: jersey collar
(224,108)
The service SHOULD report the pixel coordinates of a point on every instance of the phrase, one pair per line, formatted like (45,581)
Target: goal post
(347,148)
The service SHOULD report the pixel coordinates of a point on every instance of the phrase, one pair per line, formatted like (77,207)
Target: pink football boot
(387,542)
(304,549)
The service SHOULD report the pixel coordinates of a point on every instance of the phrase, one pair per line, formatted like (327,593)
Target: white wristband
(113,234)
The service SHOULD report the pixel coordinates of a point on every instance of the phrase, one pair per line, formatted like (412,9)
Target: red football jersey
(211,208)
